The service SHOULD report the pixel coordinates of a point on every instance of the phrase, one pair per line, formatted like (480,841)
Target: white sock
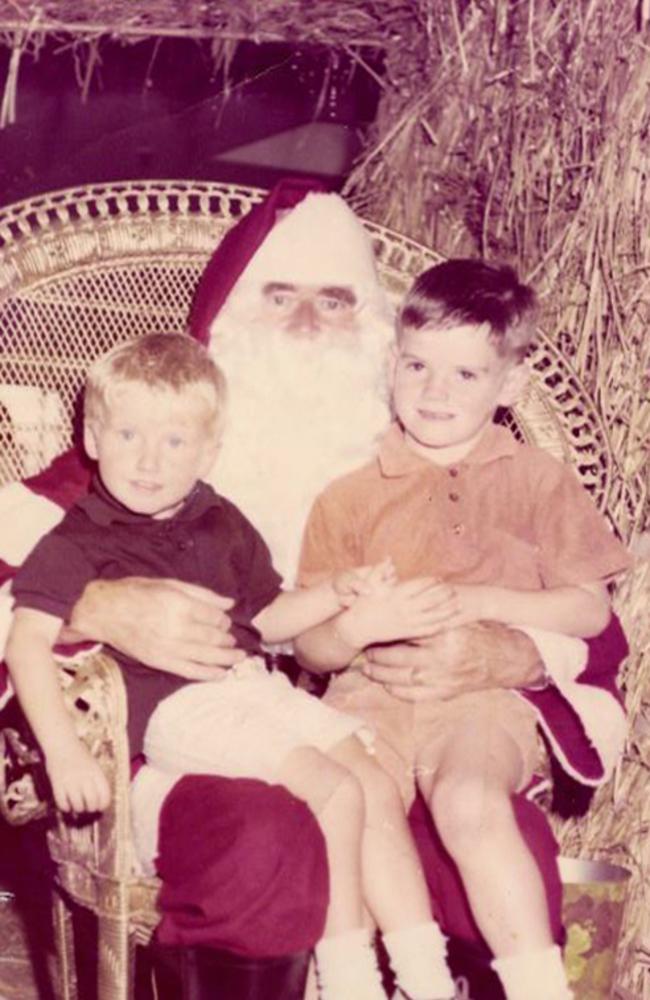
(346,967)
(534,975)
(418,958)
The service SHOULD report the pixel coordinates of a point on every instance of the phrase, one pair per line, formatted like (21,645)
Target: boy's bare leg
(336,799)
(345,959)
(394,884)
(469,797)
(389,855)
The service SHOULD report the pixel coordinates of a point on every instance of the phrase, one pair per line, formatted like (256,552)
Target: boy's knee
(468,812)
(340,792)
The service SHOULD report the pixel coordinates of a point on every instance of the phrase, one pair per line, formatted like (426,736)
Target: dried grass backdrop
(521,131)
(516,129)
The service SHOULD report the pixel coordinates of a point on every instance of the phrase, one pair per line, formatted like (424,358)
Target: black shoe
(208,974)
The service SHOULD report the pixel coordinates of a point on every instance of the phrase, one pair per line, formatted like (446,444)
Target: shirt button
(454,497)
(458,529)
(453,471)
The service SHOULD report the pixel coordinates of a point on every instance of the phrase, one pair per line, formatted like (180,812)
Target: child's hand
(351,583)
(78,782)
(408,610)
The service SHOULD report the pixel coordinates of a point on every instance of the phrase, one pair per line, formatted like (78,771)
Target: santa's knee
(243,865)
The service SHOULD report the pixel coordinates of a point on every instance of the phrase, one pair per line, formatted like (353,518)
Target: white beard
(300,413)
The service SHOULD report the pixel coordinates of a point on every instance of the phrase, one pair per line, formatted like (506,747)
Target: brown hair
(467,291)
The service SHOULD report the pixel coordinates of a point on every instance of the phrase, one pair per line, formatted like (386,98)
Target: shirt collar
(397,459)
(102,508)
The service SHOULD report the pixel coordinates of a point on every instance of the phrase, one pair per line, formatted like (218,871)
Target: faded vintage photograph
(324,518)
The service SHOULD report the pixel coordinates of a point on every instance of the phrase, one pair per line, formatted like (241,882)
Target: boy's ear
(515,382)
(90,442)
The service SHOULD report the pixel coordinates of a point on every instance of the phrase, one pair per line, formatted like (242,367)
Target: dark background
(158,109)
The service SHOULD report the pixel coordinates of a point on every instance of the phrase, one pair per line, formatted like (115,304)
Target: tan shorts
(413,735)
(243,726)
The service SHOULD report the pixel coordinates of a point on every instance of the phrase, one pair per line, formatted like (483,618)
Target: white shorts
(243,726)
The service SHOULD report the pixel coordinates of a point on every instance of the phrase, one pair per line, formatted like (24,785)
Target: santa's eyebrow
(277,286)
(339,292)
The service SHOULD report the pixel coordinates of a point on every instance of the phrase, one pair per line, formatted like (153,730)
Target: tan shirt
(508,514)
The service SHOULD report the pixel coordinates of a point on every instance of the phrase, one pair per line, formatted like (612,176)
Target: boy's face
(152,446)
(447,385)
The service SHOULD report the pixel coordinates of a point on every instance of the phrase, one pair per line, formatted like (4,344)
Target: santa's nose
(303,320)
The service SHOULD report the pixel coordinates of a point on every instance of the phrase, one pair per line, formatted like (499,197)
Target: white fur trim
(319,242)
(564,656)
(148,791)
(604,723)
(601,715)
(24,518)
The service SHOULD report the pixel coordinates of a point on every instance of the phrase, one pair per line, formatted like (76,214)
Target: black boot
(208,974)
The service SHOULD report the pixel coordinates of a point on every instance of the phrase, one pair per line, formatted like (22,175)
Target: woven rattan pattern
(85,268)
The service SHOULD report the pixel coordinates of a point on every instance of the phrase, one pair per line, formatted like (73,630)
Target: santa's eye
(414,366)
(330,305)
(280,299)
(278,296)
(126,433)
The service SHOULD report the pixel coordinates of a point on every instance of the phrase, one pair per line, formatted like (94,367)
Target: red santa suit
(242,863)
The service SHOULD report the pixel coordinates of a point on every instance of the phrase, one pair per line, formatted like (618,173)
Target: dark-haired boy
(488,530)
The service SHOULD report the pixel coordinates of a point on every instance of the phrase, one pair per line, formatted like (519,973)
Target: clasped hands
(423,638)
(380,608)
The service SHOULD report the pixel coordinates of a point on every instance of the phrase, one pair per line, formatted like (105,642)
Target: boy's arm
(581,610)
(325,648)
(422,607)
(78,783)
(294,611)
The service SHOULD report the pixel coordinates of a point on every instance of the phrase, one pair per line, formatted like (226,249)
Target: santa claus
(292,308)
(303,341)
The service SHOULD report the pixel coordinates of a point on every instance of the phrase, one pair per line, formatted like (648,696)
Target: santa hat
(299,235)
(235,251)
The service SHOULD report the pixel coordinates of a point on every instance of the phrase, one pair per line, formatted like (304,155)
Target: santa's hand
(456,661)
(177,627)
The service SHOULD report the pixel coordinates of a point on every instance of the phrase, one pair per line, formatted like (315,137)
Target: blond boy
(154,412)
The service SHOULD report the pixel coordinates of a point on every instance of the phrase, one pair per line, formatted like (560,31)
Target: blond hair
(159,361)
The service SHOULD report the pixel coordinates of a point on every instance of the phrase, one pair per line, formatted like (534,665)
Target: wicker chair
(80,270)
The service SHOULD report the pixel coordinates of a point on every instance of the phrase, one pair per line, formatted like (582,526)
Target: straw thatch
(515,129)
